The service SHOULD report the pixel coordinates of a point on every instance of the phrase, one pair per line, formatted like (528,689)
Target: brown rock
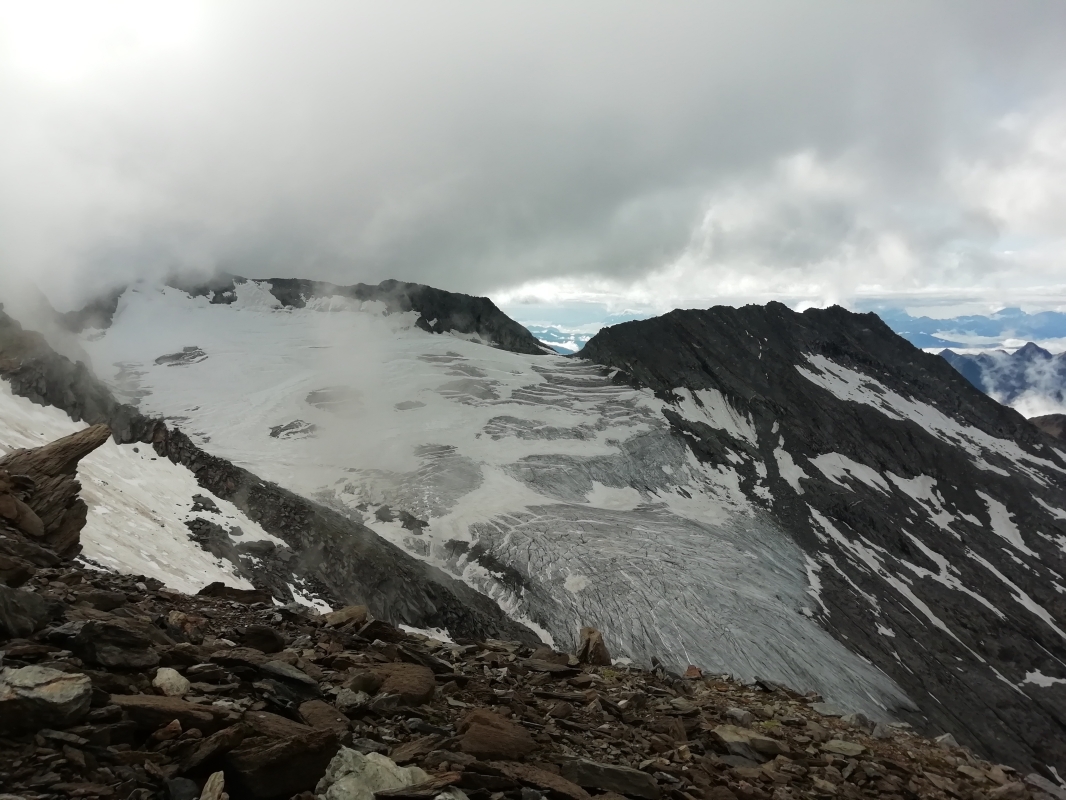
(592,649)
(487,735)
(53,511)
(414,750)
(321,715)
(151,712)
(215,745)
(611,778)
(412,683)
(271,768)
(115,643)
(263,723)
(544,780)
(263,638)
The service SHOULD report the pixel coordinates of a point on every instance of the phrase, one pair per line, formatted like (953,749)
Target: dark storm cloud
(485,146)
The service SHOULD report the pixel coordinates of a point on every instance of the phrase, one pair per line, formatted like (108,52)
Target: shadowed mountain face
(1051,424)
(1030,379)
(803,497)
(930,516)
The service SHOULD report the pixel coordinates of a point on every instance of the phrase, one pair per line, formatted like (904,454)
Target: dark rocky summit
(936,539)
(338,558)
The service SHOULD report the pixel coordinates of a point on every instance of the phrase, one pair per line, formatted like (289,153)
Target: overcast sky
(641,155)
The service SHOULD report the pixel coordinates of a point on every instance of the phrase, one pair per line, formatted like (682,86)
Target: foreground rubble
(113,686)
(128,690)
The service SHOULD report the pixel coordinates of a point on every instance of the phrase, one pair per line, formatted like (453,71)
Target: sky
(608,155)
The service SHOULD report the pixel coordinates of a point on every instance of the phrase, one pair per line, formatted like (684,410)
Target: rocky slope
(112,686)
(931,517)
(1052,424)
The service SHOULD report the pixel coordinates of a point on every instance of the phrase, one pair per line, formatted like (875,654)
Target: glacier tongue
(569,498)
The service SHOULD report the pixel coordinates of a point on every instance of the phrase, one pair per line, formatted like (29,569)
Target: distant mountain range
(992,330)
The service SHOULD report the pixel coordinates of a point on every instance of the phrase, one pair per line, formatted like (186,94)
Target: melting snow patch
(1038,678)
(815,590)
(710,407)
(881,629)
(1003,526)
(837,467)
(1057,513)
(789,469)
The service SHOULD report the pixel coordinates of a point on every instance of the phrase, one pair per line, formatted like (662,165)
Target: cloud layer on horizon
(621,153)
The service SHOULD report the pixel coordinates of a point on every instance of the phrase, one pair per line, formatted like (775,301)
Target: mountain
(1030,379)
(805,498)
(975,329)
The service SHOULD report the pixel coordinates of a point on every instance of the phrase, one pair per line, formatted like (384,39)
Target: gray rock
(290,674)
(36,697)
(1042,784)
(115,644)
(741,716)
(946,740)
(610,778)
(352,775)
(826,709)
(21,613)
(182,789)
(860,721)
(882,731)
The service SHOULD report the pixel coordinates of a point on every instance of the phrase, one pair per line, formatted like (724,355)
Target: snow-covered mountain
(802,497)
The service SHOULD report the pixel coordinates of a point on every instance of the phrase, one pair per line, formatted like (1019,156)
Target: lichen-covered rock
(39,697)
(352,775)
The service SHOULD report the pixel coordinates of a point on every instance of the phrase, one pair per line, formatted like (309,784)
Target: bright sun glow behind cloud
(67,41)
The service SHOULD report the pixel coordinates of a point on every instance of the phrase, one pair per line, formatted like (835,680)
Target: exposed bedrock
(930,516)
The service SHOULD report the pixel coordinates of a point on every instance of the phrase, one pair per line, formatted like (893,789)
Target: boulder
(115,644)
(747,743)
(611,778)
(170,682)
(264,638)
(542,779)
(36,697)
(412,683)
(352,775)
(320,714)
(22,614)
(279,768)
(841,747)
(296,678)
(274,726)
(592,649)
(486,735)
(151,712)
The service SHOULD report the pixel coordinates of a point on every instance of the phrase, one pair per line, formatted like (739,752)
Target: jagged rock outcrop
(46,506)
